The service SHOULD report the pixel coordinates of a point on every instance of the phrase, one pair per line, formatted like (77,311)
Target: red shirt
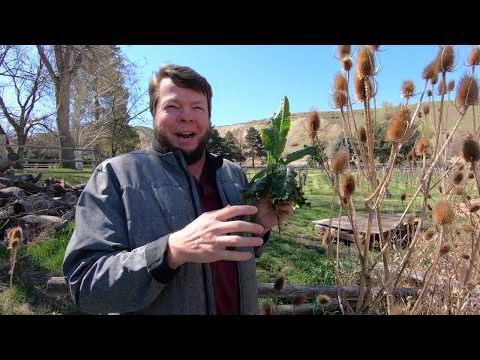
(224,273)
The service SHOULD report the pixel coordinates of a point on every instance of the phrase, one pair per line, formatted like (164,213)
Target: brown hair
(182,76)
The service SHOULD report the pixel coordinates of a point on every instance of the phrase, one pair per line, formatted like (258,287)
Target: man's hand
(206,238)
(269,217)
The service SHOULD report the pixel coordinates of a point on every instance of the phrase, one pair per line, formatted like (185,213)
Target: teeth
(186,135)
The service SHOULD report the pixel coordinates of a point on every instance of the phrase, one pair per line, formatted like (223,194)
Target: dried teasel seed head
(474,208)
(468,197)
(445,58)
(471,150)
(474,56)
(441,88)
(340,161)
(347,63)
(327,238)
(466,256)
(299,300)
(457,177)
(365,64)
(403,196)
(313,123)
(426,109)
(443,213)
(362,134)
(440,189)
(339,99)
(266,309)
(445,249)
(323,299)
(340,83)
(421,146)
(408,89)
(430,73)
(467,93)
(15,237)
(451,85)
(363,88)
(469,229)
(343,51)
(428,234)
(470,285)
(397,126)
(279,283)
(347,186)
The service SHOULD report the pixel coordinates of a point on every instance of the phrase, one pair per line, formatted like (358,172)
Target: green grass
(71,177)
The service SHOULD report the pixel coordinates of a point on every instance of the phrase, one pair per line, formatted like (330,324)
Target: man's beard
(191,157)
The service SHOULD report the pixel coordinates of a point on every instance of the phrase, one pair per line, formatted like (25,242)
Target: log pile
(35,204)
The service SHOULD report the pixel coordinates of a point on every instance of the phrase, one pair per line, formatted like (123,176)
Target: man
(162,231)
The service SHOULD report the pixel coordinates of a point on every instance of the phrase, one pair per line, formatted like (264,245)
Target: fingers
(238,241)
(235,255)
(239,226)
(229,212)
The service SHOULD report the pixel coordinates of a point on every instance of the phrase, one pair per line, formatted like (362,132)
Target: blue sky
(249,81)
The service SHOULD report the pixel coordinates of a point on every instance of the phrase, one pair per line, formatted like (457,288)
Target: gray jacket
(115,261)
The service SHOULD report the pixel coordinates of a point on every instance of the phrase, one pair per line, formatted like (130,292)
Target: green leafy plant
(278,180)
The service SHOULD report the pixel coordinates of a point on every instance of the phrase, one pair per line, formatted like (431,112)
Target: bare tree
(26,81)
(67,60)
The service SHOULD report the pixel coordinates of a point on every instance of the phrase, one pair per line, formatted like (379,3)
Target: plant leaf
(296,155)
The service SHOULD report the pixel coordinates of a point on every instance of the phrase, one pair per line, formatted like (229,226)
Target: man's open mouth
(185,135)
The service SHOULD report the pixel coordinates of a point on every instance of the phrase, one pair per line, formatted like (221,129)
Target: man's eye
(198,108)
(171,107)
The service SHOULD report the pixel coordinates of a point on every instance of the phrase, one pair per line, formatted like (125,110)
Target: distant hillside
(331,127)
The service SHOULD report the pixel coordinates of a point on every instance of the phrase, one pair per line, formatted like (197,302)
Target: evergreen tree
(254,144)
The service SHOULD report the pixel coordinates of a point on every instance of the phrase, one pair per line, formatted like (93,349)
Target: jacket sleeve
(103,273)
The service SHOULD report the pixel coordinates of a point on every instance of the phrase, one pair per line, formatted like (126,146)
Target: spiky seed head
(440,189)
(451,85)
(323,299)
(340,161)
(362,134)
(347,63)
(426,109)
(429,93)
(457,177)
(443,213)
(365,62)
(471,150)
(470,285)
(343,51)
(313,124)
(434,79)
(469,229)
(15,237)
(362,88)
(445,58)
(445,249)
(279,283)
(339,99)
(299,300)
(397,126)
(466,256)
(403,196)
(421,146)
(430,72)
(468,197)
(474,208)
(408,89)
(467,93)
(428,234)
(474,56)
(340,83)
(441,88)
(459,190)
(327,238)
(266,309)
(347,186)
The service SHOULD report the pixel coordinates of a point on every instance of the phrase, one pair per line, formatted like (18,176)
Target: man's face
(181,120)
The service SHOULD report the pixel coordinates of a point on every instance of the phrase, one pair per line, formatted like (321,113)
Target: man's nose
(186,114)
